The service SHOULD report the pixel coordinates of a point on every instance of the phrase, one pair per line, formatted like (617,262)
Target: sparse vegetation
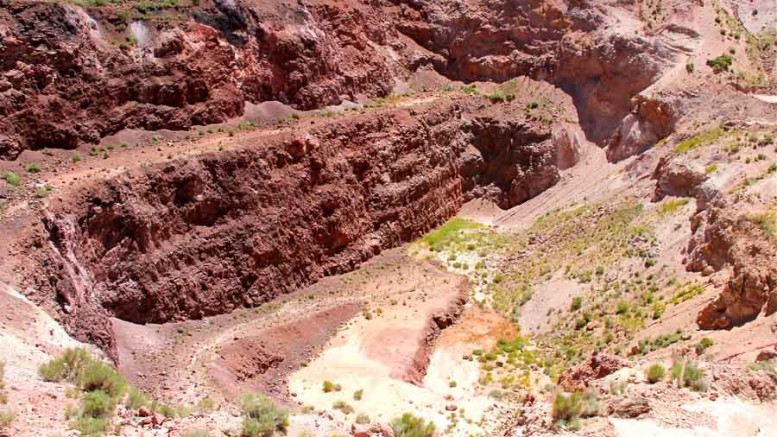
(703,344)
(6,418)
(577,303)
(655,373)
(671,206)
(767,221)
(329,386)
(699,140)
(3,395)
(567,409)
(688,374)
(343,407)
(261,417)
(721,63)
(32,167)
(12,179)
(357,395)
(102,386)
(411,426)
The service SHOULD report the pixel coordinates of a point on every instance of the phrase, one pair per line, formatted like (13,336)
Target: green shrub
(412,426)
(136,399)
(688,374)
(98,376)
(703,345)
(67,367)
(75,157)
(623,308)
(567,409)
(97,404)
(655,373)
(577,302)
(329,386)
(452,384)
(721,63)
(357,395)
(206,404)
(262,416)
(89,426)
(32,167)
(12,179)
(363,419)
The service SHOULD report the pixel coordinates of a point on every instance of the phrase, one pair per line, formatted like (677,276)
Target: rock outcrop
(72,75)
(205,235)
(725,236)
(596,366)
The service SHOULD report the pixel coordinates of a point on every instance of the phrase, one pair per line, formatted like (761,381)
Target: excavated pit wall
(202,236)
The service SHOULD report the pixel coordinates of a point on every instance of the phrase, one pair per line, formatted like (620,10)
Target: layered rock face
(188,239)
(724,237)
(72,75)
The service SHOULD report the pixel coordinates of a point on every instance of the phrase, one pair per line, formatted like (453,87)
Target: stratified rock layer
(203,236)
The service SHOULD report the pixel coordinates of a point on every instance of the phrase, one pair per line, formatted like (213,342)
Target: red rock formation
(596,366)
(723,236)
(69,76)
(73,75)
(205,235)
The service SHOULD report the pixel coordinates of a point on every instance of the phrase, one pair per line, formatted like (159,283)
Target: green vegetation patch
(671,206)
(699,140)
(261,417)
(721,63)
(412,426)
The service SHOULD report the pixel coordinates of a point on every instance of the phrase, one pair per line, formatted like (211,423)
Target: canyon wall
(73,75)
(205,235)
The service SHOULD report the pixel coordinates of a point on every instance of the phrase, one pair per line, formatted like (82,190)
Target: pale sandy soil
(373,355)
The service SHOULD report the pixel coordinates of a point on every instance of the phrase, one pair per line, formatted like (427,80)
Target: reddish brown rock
(675,179)
(596,366)
(239,228)
(722,236)
(628,407)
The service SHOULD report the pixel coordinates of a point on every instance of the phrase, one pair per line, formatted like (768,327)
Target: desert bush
(412,426)
(703,345)
(89,426)
(6,418)
(97,404)
(363,419)
(655,373)
(721,63)
(329,386)
(567,409)
(688,374)
(32,167)
(206,404)
(262,417)
(358,394)
(67,367)
(577,302)
(12,178)
(135,399)
(98,376)
(343,407)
